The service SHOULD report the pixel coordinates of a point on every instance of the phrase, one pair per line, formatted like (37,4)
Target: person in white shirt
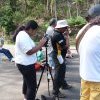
(49,32)
(25,57)
(89,52)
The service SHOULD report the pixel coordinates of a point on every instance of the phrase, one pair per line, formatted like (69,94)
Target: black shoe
(66,87)
(60,95)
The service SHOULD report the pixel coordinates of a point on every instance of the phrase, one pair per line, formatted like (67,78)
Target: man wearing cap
(89,51)
(59,53)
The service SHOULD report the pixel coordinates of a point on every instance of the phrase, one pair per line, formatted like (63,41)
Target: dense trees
(15,12)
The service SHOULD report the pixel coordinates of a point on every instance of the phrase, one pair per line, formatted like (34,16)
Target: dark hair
(93,12)
(20,28)
(95,21)
(53,21)
(31,24)
(88,18)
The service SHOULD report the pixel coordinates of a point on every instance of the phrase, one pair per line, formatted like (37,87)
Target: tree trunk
(47,8)
(77,13)
(55,9)
(69,9)
(26,6)
(13,5)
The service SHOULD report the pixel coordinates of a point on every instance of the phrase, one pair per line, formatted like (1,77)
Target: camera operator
(59,54)
(49,32)
(25,57)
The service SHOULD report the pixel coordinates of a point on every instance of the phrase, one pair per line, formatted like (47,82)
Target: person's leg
(58,79)
(65,85)
(58,76)
(31,84)
(85,90)
(50,61)
(53,64)
(7,53)
(29,75)
(24,88)
(95,91)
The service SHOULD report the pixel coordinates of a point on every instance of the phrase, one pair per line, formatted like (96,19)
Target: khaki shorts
(90,90)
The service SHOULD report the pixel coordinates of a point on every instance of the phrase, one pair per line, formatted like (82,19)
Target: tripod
(49,73)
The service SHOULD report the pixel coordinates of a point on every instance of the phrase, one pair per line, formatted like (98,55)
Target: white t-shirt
(50,31)
(23,44)
(89,51)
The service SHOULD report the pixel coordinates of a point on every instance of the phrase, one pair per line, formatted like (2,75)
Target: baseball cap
(94,11)
(61,24)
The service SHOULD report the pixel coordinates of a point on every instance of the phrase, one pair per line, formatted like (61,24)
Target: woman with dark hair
(25,57)
(20,28)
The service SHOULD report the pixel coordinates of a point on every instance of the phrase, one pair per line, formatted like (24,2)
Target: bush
(6,19)
(76,23)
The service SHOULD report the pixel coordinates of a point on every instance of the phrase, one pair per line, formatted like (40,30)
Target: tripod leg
(48,87)
(52,78)
(50,74)
(40,79)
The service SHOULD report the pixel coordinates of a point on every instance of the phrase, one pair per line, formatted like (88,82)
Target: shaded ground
(11,81)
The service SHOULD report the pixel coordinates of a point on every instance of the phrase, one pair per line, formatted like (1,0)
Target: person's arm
(27,45)
(67,42)
(38,47)
(60,40)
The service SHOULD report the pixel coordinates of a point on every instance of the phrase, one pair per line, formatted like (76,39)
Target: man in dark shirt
(59,49)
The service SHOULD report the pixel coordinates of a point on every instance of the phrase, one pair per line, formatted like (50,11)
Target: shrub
(76,23)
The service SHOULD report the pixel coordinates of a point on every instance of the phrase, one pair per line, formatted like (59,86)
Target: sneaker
(67,86)
(60,95)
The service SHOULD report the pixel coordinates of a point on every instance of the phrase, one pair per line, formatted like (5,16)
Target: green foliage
(77,21)
(16,12)
(36,11)
(44,26)
(78,1)
(18,17)
(6,19)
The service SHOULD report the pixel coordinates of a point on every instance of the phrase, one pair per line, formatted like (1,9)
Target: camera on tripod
(46,36)
(45,66)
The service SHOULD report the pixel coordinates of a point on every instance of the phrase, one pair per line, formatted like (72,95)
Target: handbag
(38,66)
